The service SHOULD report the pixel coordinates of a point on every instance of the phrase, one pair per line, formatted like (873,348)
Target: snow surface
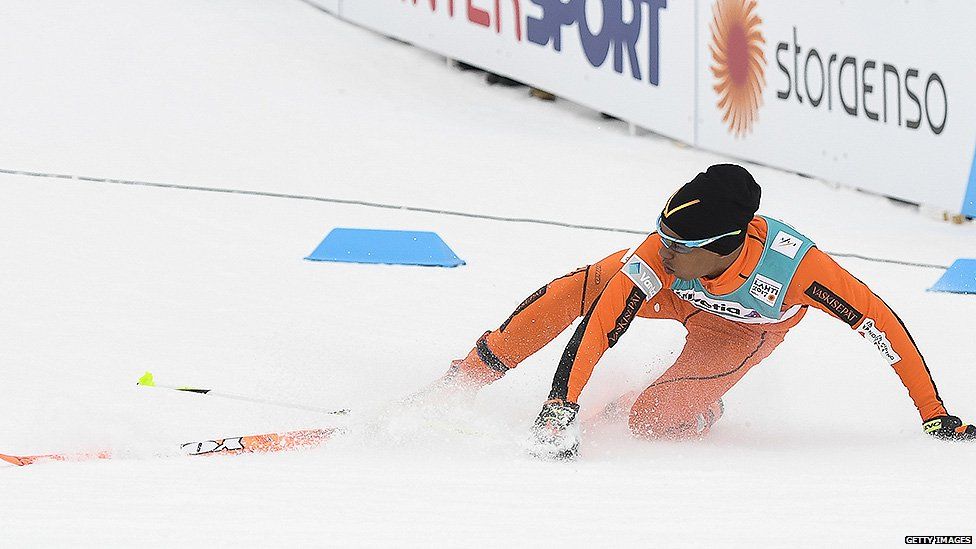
(820,445)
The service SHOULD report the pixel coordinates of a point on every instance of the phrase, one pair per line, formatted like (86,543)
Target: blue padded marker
(959,278)
(386,247)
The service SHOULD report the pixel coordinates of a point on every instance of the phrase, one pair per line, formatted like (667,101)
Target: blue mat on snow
(388,247)
(960,278)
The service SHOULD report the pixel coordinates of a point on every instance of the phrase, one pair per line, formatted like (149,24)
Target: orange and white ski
(27,460)
(270,442)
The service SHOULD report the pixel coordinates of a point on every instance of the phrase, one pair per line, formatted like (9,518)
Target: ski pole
(147,381)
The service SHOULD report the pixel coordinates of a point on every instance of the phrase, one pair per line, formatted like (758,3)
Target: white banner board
(875,94)
(633,59)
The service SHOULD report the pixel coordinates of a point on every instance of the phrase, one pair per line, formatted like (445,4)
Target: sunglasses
(680,246)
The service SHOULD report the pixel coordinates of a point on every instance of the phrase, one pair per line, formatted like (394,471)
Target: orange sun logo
(739,62)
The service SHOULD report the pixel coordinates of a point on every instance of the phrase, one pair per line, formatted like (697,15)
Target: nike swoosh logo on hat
(668,213)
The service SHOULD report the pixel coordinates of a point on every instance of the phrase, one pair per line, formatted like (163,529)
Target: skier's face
(689,263)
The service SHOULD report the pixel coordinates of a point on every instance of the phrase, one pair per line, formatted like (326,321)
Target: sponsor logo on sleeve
(626,316)
(844,311)
(529,301)
(643,276)
(766,290)
(870,331)
(786,244)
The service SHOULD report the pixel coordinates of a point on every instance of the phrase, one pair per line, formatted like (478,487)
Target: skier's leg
(537,321)
(663,306)
(685,401)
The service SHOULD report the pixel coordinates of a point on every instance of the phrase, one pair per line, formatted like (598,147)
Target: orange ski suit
(718,351)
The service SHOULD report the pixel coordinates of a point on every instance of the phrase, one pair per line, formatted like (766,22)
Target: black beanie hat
(721,199)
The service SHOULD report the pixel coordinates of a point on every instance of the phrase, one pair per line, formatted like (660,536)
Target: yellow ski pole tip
(146,380)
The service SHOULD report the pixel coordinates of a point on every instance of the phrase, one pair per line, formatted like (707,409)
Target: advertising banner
(874,94)
(634,59)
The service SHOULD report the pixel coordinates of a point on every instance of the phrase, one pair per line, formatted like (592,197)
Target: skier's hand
(556,433)
(949,428)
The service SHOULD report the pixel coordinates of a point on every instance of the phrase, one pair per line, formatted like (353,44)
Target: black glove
(556,433)
(949,428)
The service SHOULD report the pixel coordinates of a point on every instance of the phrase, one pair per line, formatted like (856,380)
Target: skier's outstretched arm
(824,284)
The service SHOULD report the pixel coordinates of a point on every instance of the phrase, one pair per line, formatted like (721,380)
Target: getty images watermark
(939,540)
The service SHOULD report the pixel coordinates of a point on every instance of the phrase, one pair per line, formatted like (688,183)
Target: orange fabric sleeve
(824,284)
(606,320)
(546,313)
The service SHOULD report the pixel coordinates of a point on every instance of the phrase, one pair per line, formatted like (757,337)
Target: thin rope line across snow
(402,208)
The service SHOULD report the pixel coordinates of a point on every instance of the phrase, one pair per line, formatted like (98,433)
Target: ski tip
(146,380)
(13,460)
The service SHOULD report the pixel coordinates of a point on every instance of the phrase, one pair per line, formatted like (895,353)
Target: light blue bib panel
(760,298)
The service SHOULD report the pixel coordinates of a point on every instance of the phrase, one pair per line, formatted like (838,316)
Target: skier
(737,282)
